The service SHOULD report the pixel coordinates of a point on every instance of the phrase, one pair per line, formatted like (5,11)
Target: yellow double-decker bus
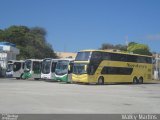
(101,66)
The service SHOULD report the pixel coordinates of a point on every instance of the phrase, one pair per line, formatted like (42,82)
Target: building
(66,54)
(8,51)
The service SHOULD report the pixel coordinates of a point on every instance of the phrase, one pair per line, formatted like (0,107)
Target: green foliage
(132,43)
(30,41)
(139,49)
(110,46)
(132,47)
(1,34)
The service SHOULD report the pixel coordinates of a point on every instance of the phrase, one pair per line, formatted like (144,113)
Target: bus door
(53,67)
(36,69)
(17,72)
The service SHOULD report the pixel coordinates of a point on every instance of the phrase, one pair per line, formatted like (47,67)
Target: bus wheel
(101,81)
(135,80)
(140,80)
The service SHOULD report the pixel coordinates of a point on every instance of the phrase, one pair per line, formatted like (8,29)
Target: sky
(74,25)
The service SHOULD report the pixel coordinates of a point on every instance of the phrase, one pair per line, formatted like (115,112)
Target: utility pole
(126,40)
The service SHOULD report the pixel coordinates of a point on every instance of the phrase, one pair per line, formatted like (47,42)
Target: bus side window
(117,70)
(92,68)
(122,57)
(141,59)
(131,58)
(106,56)
(104,70)
(96,56)
(149,60)
(118,57)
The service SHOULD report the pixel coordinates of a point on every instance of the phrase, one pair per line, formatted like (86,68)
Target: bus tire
(101,80)
(140,80)
(135,80)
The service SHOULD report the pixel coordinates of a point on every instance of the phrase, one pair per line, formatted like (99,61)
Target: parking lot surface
(30,96)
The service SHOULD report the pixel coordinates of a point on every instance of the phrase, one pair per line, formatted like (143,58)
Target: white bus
(15,69)
(48,68)
(64,69)
(32,69)
(18,69)
(9,70)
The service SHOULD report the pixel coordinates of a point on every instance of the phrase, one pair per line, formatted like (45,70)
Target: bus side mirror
(85,67)
(69,67)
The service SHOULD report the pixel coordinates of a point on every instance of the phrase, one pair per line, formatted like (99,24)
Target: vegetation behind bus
(31,41)
(133,47)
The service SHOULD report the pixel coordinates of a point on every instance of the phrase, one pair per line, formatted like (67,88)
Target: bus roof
(12,61)
(70,59)
(67,59)
(50,58)
(92,50)
(34,59)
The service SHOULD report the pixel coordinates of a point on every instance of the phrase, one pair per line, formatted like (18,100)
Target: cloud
(153,37)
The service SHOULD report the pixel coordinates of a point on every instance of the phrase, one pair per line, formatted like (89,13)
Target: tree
(111,46)
(121,47)
(31,41)
(1,34)
(107,46)
(138,49)
(132,47)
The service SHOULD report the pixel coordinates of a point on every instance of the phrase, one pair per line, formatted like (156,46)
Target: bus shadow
(106,84)
(50,81)
(67,83)
(31,80)
(14,79)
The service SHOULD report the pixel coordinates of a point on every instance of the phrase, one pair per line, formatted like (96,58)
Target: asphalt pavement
(30,96)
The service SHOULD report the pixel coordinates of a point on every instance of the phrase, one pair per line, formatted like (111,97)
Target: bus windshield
(82,56)
(46,65)
(79,68)
(61,68)
(17,66)
(28,64)
(9,67)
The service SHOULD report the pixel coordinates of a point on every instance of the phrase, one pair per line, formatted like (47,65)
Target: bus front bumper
(83,78)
